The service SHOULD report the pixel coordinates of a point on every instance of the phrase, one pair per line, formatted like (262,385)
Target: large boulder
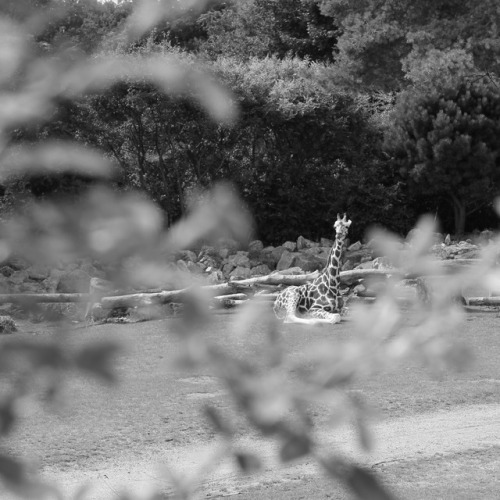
(38,272)
(255,246)
(195,268)
(239,259)
(291,246)
(357,256)
(355,247)
(303,243)
(308,263)
(286,260)
(268,258)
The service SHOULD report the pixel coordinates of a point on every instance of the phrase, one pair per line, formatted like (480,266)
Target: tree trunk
(459,213)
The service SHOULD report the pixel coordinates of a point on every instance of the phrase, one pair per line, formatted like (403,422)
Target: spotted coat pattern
(320,300)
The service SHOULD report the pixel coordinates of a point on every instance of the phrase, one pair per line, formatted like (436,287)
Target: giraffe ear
(338,217)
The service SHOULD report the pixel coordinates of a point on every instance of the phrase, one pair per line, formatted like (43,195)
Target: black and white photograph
(249,249)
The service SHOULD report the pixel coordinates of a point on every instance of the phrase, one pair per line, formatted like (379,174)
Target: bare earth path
(408,438)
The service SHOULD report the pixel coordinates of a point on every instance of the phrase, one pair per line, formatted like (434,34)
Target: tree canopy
(390,44)
(448,145)
(319,83)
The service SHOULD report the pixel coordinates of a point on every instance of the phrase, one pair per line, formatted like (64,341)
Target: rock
(447,240)
(223,253)
(382,263)
(312,251)
(4,285)
(30,287)
(38,272)
(308,263)
(325,242)
(239,259)
(207,262)
(347,265)
(276,254)
(303,243)
(291,246)
(7,325)
(50,285)
(187,256)
(227,268)
(255,246)
(357,256)
(17,263)
(241,273)
(194,268)
(365,265)
(261,270)
(215,276)
(286,260)
(206,250)
(6,271)
(92,271)
(18,277)
(76,281)
(267,258)
(229,244)
(355,247)
(208,257)
(182,266)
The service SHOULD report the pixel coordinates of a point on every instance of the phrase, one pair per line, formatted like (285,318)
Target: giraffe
(318,301)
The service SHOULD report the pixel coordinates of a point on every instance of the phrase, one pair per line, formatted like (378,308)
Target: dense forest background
(386,109)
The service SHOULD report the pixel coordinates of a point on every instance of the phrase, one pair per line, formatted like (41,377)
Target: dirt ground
(433,437)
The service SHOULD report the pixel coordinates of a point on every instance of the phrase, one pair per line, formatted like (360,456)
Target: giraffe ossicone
(320,300)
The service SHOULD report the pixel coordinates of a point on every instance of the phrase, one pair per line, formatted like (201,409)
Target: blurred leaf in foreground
(54,158)
(97,359)
(219,213)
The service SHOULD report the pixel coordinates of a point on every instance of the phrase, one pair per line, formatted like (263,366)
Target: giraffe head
(341,226)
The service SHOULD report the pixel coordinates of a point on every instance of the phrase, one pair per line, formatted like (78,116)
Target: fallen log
(231,287)
(40,298)
(482,301)
(233,296)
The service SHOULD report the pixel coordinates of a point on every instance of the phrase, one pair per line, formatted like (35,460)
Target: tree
(448,145)
(386,43)
(301,146)
(85,24)
(259,28)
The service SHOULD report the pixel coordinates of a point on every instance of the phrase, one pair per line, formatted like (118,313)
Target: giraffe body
(318,301)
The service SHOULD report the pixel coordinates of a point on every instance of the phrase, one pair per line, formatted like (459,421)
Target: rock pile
(223,262)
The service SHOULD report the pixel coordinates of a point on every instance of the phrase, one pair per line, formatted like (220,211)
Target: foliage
(281,102)
(384,41)
(448,145)
(257,28)
(301,145)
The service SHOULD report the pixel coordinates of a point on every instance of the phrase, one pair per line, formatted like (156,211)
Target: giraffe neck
(332,268)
